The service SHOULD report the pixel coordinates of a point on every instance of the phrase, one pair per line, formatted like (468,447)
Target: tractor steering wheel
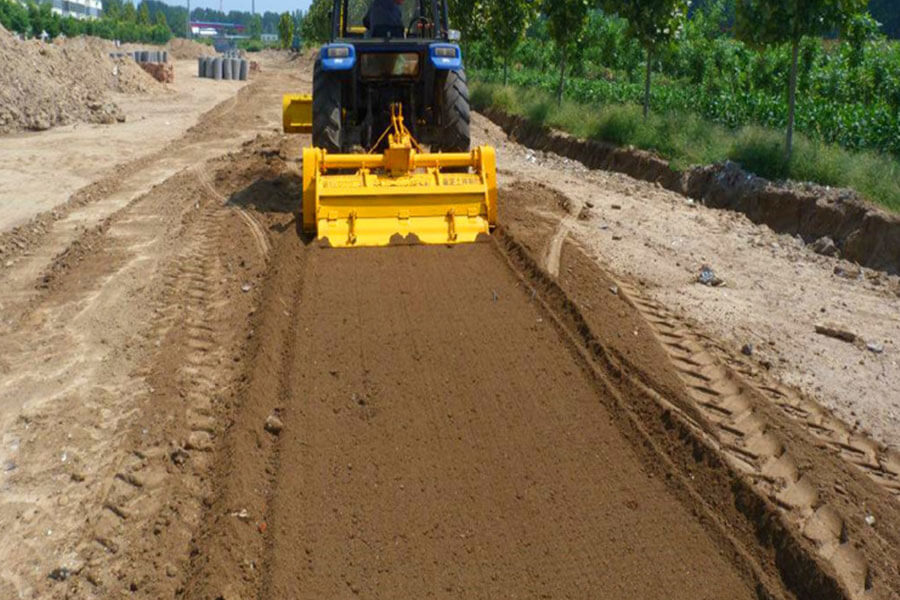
(421,22)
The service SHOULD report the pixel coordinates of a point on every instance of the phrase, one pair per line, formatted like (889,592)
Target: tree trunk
(647,85)
(562,75)
(505,70)
(792,101)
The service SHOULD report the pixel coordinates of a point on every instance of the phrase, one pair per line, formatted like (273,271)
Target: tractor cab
(368,66)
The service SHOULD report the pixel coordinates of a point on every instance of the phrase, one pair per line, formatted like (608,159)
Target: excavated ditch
(862,232)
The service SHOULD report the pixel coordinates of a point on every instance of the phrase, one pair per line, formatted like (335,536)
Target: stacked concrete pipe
(223,67)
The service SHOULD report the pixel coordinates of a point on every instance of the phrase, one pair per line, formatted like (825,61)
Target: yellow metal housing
(296,113)
(399,196)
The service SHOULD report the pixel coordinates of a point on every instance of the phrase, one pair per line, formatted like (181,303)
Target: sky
(278,6)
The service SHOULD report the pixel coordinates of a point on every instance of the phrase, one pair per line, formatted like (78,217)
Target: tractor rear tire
(453,135)
(326,109)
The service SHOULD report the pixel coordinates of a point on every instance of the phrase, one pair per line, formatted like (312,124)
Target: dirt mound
(43,85)
(180,48)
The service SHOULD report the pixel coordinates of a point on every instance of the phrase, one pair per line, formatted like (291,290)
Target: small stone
(875,348)
(171,570)
(747,349)
(848,272)
(243,515)
(199,440)
(708,277)
(824,246)
(59,574)
(589,204)
(273,425)
(616,206)
(870,520)
(246,287)
(179,456)
(614,289)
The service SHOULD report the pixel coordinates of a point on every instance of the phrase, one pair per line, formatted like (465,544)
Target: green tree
(285,30)
(161,20)
(129,14)
(506,24)
(770,22)
(566,20)
(654,24)
(316,24)
(143,15)
(468,17)
(14,16)
(255,27)
(112,9)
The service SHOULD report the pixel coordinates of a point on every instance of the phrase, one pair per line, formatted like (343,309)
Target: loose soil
(198,402)
(43,85)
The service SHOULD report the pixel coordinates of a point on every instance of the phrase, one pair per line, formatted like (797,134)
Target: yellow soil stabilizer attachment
(296,113)
(402,195)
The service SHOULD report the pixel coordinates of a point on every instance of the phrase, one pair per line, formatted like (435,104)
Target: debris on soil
(584,214)
(848,272)
(273,424)
(162,72)
(824,246)
(43,85)
(614,289)
(747,349)
(59,574)
(837,333)
(875,347)
(708,277)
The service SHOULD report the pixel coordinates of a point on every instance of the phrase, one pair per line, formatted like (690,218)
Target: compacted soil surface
(197,401)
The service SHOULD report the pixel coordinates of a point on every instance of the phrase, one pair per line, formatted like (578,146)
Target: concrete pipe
(226,68)
(200,70)
(217,68)
(245,69)
(165,56)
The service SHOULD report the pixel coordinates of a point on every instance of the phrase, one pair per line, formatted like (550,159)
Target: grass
(687,139)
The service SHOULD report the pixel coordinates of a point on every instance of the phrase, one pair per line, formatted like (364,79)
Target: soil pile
(44,85)
(182,49)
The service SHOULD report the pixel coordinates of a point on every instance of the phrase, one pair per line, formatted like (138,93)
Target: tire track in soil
(726,400)
(755,446)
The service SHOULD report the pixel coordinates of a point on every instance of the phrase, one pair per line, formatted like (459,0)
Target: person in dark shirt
(384,18)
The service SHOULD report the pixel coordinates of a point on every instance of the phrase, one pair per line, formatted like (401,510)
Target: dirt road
(198,403)
(442,440)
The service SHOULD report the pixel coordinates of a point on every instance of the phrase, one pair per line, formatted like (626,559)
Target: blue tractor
(370,66)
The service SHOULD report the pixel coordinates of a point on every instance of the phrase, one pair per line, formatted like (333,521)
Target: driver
(384,18)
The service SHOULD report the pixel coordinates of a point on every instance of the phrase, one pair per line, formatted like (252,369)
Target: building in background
(80,9)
